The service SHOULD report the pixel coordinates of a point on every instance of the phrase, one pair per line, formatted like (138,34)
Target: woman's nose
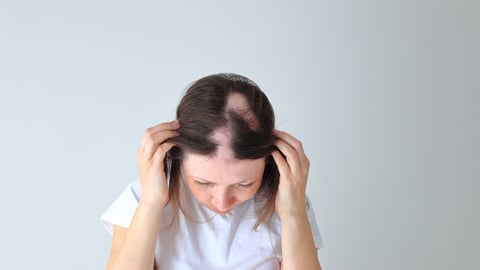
(223,201)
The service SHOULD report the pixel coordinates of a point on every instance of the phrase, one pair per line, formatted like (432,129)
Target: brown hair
(203,110)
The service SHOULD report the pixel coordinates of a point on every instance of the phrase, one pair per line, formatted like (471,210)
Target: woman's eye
(202,183)
(245,185)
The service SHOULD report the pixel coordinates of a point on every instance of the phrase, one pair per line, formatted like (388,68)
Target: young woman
(219,188)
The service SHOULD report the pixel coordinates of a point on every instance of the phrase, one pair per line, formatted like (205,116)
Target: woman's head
(226,103)
(226,125)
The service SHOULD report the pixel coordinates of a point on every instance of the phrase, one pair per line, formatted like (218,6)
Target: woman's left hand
(293,166)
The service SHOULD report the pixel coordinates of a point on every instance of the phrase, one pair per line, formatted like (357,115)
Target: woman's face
(220,182)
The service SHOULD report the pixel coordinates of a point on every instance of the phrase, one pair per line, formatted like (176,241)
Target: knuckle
(148,132)
(148,141)
(164,148)
(298,144)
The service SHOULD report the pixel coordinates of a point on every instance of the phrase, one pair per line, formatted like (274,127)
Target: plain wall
(383,94)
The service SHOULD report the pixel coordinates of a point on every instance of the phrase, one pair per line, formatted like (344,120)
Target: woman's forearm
(298,248)
(138,248)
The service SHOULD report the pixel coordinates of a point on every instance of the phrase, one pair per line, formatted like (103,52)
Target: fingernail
(175,123)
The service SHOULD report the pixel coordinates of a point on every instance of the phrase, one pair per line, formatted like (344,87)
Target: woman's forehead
(220,160)
(217,167)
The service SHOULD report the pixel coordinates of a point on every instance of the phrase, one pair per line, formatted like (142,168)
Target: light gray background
(384,95)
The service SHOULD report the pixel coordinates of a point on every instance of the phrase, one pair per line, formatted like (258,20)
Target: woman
(219,188)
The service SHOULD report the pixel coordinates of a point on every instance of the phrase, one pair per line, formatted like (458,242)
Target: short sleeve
(317,238)
(120,213)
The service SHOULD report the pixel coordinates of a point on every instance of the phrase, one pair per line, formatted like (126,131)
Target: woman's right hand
(150,158)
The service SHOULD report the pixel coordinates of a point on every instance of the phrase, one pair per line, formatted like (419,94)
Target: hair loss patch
(238,104)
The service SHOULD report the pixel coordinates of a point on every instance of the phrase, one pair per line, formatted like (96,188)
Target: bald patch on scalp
(237,103)
(223,138)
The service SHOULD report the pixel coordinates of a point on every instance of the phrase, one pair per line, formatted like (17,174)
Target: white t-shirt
(210,241)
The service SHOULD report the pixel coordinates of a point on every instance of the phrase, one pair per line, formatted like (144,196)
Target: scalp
(237,103)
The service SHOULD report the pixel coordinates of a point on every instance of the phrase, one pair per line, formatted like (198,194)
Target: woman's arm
(134,248)
(298,249)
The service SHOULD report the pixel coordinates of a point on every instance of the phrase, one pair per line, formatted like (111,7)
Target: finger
(160,136)
(291,155)
(151,142)
(160,153)
(149,132)
(294,142)
(282,164)
(165,126)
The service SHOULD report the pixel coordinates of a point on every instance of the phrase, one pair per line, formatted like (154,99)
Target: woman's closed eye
(201,183)
(208,184)
(245,185)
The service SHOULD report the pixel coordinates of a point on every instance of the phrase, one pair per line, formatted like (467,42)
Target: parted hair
(204,110)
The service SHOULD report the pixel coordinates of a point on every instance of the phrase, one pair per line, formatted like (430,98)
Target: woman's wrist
(151,205)
(293,213)
(294,218)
